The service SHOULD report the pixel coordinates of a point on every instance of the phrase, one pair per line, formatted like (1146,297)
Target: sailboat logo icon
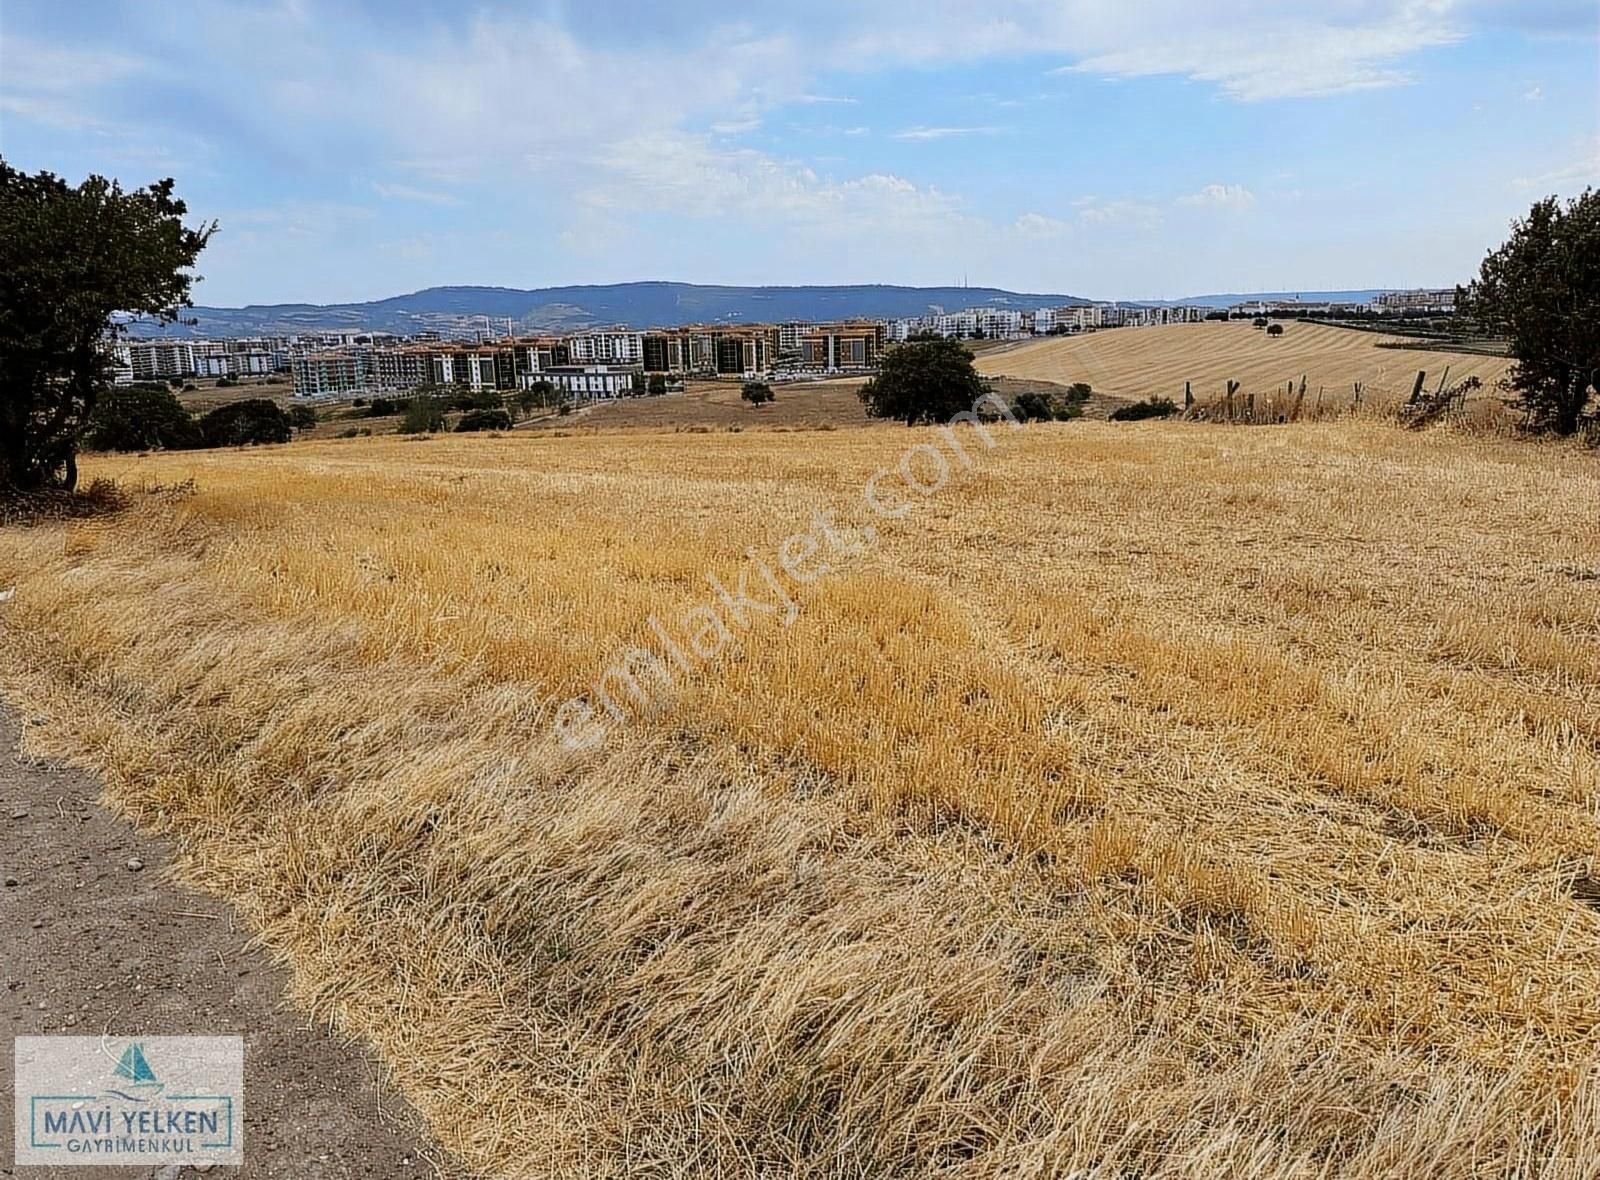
(137,1071)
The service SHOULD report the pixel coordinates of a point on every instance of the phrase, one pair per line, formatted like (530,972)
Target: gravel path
(94,938)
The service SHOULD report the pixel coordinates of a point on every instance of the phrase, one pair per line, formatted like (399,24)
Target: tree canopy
(141,418)
(924,380)
(70,259)
(246,423)
(757,393)
(1541,289)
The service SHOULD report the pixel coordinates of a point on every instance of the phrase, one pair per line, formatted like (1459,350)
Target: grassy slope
(1139,362)
(1203,802)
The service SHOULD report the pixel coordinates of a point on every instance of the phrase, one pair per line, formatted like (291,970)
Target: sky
(1114,150)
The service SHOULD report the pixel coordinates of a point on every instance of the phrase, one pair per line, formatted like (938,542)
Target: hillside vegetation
(1135,362)
(1156,799)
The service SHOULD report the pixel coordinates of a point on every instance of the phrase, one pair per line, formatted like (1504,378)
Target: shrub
(1151,407)
(359,402)
(1274,329)
(483,399)
(483,420)
(656,386)
(141,418)
(302,417)
(424,414)
(381,407)
(1034,407)
(246,423)
(757,393)
(1047,407)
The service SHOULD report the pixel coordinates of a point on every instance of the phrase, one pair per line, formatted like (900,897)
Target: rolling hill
(1137,362)
(638,305)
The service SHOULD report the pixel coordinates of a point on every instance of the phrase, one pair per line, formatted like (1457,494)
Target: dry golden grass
(1161,800)
(1143,362)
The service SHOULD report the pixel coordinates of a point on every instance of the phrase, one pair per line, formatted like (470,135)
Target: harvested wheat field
(1142,362)
(1162,801)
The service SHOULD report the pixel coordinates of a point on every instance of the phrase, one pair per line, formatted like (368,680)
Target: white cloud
(924,133)
(1038,225)
(1566,178)
(406,192)
(1120,211)
(1251,49)
(1533,94)
(1233,197)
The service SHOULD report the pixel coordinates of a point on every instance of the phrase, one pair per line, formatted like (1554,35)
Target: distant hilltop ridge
(566,309)
(644,305)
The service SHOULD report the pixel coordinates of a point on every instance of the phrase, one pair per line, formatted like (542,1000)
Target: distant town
(601,363)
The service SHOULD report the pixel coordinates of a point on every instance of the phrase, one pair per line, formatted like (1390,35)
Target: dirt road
(94,939)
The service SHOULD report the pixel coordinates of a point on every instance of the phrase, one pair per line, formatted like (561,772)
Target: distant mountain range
(639,305)
(566,309)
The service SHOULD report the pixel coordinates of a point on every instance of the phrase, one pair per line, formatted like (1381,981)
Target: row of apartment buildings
(1009,323)
(602,363)
(159,359)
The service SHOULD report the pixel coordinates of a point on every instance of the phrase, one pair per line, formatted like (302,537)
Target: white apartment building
(589,382)
(156,360)
(1001,323)
(1441,299)
(607,348)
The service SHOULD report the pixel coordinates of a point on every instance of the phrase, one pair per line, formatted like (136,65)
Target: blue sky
(1114,150)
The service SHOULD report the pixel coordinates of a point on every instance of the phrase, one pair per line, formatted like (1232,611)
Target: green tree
(424,414)
(657,385)
(545,392)
(70,257)
(1541,289)
(474,420)
(141,418)
(757,393)
(926,379)
(1274,329)
(246,423)
(1034,407)
(302,417)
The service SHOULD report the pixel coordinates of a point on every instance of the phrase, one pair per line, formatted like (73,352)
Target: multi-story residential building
(1436,299)
(157,360)
(711,350)
(592,382)
(350,372)
(329,374)
(847,346)
(1001,323)
(613,347)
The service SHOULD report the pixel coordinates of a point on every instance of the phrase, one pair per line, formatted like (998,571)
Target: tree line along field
(1155,799)
(1141,362)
